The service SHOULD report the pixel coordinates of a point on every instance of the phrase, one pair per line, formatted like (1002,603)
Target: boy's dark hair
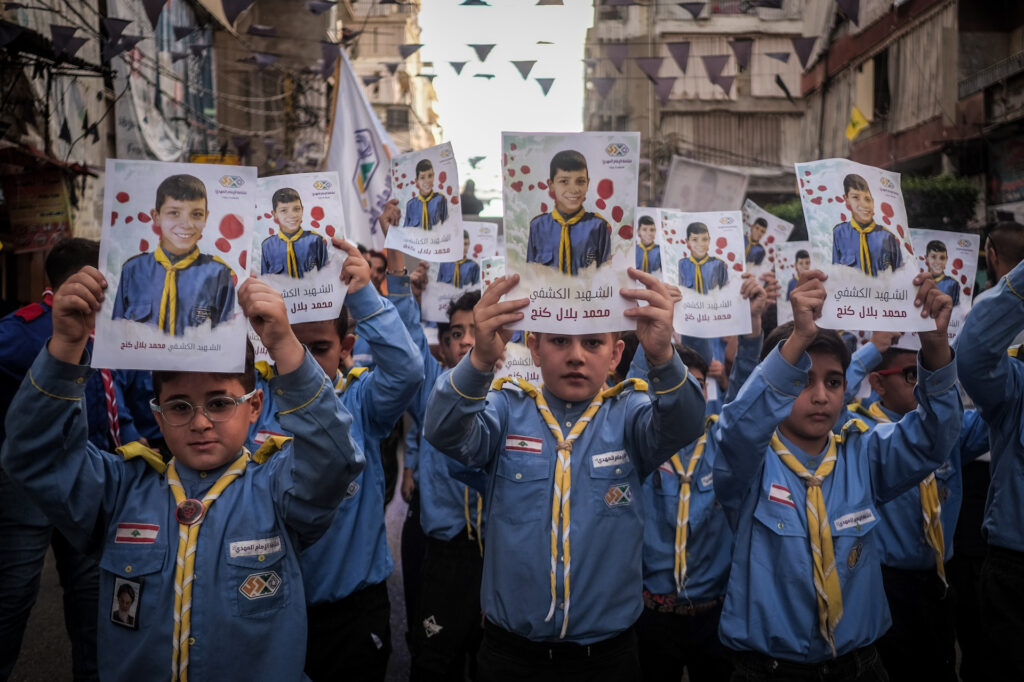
(802,253)
(891,354)
(126,588)
(935,245)
(645,220)
(465,302)
(693,360)
(762,222)
(68,256)
(247,377)
(285,195)
(567,160)
(373,253)
(631,343)
(826,341)
(182,187)
(854,181)
(341,323)
(423,165)
(696,228)
(1007,239)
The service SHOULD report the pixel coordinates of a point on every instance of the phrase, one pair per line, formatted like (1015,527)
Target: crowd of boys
(614,522)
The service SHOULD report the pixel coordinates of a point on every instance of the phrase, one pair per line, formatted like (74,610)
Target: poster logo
(887,183)
(322,184)
(617,149)
(231,181)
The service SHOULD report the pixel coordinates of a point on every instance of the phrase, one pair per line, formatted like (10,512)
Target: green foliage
(941,202)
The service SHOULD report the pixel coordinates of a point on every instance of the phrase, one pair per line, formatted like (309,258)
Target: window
(397,119)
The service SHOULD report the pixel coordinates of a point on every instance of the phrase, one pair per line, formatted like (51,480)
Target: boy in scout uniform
(291,251)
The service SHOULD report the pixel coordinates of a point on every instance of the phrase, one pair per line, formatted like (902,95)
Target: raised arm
(748,350)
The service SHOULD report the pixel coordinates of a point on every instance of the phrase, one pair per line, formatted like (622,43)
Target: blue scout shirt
(137,388)
(789,287)
(755,252)
(900,530)
(995,381)
(634,432)
(653,259)
(437,211)
(310,253)
(589,241)
(94,497)
(770,604)
(713,271)
(353,553)
(862,363)
(883,246)
(948,285)
(469,273)
(206,291)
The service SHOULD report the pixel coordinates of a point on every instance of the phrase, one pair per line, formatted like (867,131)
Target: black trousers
(414,546)
(670,643)
(859,665)
(1002,612)
(446,632)
(964,573)
(506,657)
(921,644)
(350,639)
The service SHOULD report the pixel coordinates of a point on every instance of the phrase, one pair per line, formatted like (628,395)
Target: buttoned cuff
(783,377)
(58,379)
(668,377)
(399,285)
(939,380)
(299,388)
(468,381)
(364,303)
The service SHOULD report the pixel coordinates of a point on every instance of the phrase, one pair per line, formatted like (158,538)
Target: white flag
(360,152)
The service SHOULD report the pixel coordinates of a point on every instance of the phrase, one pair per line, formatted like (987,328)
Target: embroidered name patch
(707,480)
(259,585)
(610,459)
(618,496)
(351,490)
(858,518)
(780,493)
(144,533)
(255,547)
(524,444)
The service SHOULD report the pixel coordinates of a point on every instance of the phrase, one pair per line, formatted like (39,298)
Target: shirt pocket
(523,490)
(141,565)
(199,314)
(614,490)
(141,311)
(257,573)
(852,541)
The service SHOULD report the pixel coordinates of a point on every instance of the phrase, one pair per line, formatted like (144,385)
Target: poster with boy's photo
(695,186)
(448,281)
(174,249)
(857,226)
(569,206)
(648,239)
(702,254)
(426,184)
(763,233)
(792,259)
(951,258)
(296,216)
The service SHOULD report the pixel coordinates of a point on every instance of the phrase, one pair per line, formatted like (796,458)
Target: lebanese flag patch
(781,494)
(144,533)
(524,444)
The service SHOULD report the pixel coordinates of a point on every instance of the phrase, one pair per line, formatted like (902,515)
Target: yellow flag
(857,123)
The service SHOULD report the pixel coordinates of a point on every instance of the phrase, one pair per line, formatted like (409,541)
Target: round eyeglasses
(909,373)
(217,409)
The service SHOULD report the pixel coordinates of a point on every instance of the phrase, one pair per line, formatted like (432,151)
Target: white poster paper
(176,238)
(763,234)
(519,364)
(695,187)
(448,281)
(791,260)
(426,184)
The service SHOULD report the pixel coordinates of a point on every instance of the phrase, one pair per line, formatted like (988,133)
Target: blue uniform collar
(196,483)
(893,416)
(810,462)
(564,410)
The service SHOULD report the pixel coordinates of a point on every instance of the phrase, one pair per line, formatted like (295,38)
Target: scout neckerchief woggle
(426,215)
(293,262)
(169,297)
(190,514)
(645,264)
(563,479)
(698,277)
(564,244)
(931,508)
(864,255)
(683,510)
(826,577)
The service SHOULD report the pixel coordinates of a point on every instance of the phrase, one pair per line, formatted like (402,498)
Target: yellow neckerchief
(698,277)
(563,477)
(938,278)
(931,508)
(184,573)
(645,264)
(866,266)
(343,381)
(750,243)
(1017,352)
(169,298)
(683,514)
(826,577)
(293,263)
(457,277)
(426,216)
(564,245)
(479,514)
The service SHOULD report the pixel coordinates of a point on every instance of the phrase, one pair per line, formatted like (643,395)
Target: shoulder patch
(265,369)
(853,424)
(32,311)
(271,445)
(137,449)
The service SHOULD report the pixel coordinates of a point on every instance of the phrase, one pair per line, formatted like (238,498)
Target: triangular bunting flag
(408,49)
(429,76)
(851,8)
(9,32)
(262,31)
(779,56)
(803,46)
(742,48)
(198,49)
(181,32)
(319,6)
(474,3)
(857,123)
(545,83)
(482,51)
(714,64)
(694,8)
(603,85)
(128,43)
(177,56)
(65,44)
(592,63)
(725,82)
(663,88)
(616,52)
(650,66)
(488,76)
(232,8)
(65,131)
(680,53)
(153,9)
(242,144)
(525,67)
(619,3)
(264,59)
(539,2)
(370,80)
(457,66)
(392,67)
(114,27)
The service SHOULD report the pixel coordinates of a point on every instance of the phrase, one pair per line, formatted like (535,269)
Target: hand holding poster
(175,242)
(426,184)
(857,225)
(763,234)
(295,219)
(703,254)
(792,259)
(569,202)
(448,281)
